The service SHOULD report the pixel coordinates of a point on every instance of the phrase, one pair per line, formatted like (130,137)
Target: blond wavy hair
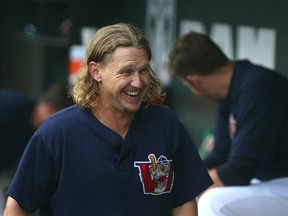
(104,42)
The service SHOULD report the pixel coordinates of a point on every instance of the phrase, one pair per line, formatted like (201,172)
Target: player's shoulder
(64,114)
(159,109)
(66,117)
(254,77)
(160,112)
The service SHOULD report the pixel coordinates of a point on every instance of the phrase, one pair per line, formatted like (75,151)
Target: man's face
(124,80)
(196,85)
(203,86)
(199,85)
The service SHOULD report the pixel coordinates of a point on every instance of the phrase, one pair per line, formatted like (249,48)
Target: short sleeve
(191,176)
(34,180)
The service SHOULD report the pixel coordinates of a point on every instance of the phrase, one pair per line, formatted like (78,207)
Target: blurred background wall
(36,37)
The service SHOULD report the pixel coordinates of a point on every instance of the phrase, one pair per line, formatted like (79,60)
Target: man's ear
(94,70)
(194,80)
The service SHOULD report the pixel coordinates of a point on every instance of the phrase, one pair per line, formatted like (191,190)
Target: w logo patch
(156,175)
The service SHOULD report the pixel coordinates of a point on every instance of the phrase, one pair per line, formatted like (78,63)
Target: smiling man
(114,152)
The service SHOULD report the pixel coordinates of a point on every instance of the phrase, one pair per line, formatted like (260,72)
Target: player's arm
(237,171)
(187,209)
(215,177)
(13,209)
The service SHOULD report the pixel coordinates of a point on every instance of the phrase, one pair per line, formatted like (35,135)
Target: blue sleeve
(222,142)
(237,171)
(34,180)
(191,176)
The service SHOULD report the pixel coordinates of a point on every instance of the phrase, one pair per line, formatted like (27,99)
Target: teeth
(132,93)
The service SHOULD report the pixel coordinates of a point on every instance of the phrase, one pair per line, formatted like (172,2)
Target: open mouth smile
(132,93)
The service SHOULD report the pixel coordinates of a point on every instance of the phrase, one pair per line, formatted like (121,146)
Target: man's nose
(136,80)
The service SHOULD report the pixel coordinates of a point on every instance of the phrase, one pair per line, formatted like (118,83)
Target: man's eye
(126,72)
(144,72)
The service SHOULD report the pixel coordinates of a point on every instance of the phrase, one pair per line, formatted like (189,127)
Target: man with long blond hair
(114,152)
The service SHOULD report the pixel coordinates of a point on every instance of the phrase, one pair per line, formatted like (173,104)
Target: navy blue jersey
(75,165)
(16,110)
(252,121)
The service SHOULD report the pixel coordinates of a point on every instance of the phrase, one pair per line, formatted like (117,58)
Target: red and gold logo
(156,175)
